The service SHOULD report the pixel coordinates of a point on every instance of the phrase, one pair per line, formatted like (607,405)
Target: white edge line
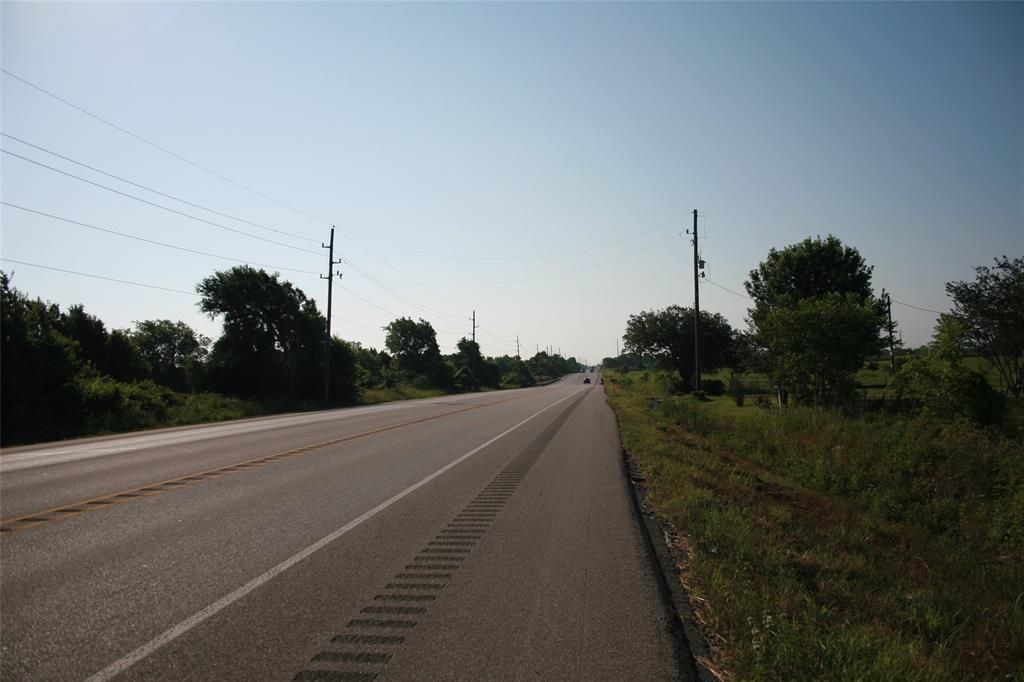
(168,636)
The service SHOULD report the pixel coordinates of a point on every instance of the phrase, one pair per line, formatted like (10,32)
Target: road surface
(472,537)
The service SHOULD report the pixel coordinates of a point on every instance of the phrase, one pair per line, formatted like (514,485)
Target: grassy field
(829,547)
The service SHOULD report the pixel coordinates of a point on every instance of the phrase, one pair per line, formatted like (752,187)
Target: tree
(991,309)
(173,350)
(667,335)
(816,346)
(942,385)
(414,347)
(108,352)
(484,372)
(273,341)
(815,317)
(812,268)
(39,396)
(347,376)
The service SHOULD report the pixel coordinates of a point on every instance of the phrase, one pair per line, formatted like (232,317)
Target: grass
(401,392)
(829,547)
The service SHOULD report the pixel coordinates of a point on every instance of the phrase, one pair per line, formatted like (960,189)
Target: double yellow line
(17,524)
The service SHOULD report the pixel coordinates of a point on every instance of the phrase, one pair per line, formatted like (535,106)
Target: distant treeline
(65,374)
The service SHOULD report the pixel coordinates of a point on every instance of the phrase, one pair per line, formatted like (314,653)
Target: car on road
(586,380)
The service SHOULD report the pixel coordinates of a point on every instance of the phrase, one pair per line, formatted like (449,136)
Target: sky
(535,162)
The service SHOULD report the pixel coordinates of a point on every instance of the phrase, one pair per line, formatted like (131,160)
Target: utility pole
(517,347)
(330,291)
(474,326)
(892,348)
(616,348)
(698,266)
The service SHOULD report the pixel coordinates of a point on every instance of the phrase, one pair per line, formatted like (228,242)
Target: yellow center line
(65,511)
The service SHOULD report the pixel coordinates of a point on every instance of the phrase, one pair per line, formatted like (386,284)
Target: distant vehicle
(587,380)
(591,369)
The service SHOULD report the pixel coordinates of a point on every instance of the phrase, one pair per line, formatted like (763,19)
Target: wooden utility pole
(892,347)
(330,291)
(517,347)
(696,307)
(474,326)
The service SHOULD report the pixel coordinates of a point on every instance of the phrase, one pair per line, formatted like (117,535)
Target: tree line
(65,374)
(815,320)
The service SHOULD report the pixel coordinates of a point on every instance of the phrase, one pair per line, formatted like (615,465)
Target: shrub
(712,387)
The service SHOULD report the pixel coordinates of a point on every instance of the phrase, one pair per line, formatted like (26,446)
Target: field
(824,546)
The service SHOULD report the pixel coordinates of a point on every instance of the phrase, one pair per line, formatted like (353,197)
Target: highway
(484,536)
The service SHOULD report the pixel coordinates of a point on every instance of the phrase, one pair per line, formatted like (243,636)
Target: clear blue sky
(513,130)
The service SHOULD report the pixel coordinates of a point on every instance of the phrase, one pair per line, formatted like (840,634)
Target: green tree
(273,341)
(667,336)
(809,269)
(938,380)
(991,309)
(486,373)
(347,376)
(39,396)
(174,351)
(816,346)
(109,353)
(815,282)
(415,350)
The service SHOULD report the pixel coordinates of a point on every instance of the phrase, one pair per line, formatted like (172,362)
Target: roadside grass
(831,547)
(372,396)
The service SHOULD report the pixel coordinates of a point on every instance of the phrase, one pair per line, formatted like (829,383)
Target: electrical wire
(153,241)
(155,191)
(163,149)
(452,318)
(165,208)
(109,279)
(549,276)
(734,293)
(436,254)
(917,307)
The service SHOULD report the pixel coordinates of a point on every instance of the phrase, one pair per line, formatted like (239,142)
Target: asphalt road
(473,537)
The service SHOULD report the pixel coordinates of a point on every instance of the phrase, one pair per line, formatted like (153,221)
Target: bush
(712,387)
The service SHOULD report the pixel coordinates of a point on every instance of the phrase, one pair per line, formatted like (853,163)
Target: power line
(369,302)
(917,307)
(436,254)
(907,305)
(175,155)
(155,191)
(165,208)
(406,277)
(109,279)
(734,293)
(393,292)
(153,241)
(543,277)
(231,229)
(163,149)
(430,311)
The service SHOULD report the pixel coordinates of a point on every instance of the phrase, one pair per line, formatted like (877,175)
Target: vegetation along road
(478,536)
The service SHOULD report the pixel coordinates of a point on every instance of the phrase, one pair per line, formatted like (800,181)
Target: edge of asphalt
(691,647)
